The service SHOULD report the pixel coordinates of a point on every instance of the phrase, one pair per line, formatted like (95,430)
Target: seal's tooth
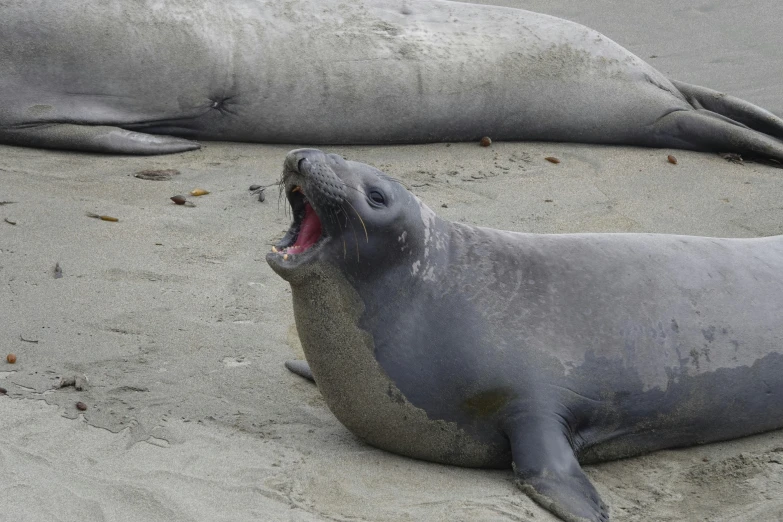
(296,189)
(274,249)
(285,257)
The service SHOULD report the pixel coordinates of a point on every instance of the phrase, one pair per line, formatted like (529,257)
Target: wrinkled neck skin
(353,321)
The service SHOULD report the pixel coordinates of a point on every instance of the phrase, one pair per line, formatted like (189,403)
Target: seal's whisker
(353,229)
(366,236)
(337,219)
(345,185)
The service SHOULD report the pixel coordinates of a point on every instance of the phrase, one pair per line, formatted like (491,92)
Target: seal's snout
(309,173)
(314,192)
(295,159)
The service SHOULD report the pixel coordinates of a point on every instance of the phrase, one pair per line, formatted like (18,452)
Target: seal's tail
(724,123)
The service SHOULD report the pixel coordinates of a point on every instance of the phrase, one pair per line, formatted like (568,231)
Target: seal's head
(346,214)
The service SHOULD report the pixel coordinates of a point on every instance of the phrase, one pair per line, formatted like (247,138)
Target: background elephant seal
(146,78)
(480,347)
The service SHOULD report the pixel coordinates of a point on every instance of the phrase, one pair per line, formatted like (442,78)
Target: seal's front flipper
(93,138)
(301,368)
(734,108)
(705,130)
(547,471)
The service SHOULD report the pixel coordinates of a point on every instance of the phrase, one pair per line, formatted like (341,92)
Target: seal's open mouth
(306,230)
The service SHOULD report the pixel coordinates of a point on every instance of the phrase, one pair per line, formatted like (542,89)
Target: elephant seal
(141,77)
(478,347)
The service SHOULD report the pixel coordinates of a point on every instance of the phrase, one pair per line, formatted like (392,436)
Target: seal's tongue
(309,232)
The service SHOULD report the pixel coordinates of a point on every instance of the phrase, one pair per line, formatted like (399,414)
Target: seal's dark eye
(377,197)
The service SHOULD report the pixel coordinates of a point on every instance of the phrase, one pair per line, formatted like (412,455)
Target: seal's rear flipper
(733,108)
(301,368)
(94,138)
(547,470)
(705,130)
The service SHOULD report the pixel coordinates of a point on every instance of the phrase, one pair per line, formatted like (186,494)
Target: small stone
(179,200)
(3,391)
(81,406)
(11,358)
(254,187)
(261,196)
(485,141)
(552,159)
(671,159)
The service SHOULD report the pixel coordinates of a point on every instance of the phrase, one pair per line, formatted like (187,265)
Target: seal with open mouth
(477,347)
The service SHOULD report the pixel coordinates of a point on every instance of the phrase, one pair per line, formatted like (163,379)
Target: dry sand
(182,328)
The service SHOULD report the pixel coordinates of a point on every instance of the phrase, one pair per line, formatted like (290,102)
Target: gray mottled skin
(146,77)
(479,347)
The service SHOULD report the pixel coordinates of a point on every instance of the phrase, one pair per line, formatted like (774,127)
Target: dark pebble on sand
(261,196)
(552,159)
(672,159)
(3,391)
(733,158)
(179,200)
(485,141)
(254,187)
(81,406)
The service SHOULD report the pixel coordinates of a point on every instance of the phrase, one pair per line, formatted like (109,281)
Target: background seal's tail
(723,123)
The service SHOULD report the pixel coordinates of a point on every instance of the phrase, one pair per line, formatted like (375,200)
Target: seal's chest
(358,391)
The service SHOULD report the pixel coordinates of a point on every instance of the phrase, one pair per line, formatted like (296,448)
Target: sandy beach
(181,328)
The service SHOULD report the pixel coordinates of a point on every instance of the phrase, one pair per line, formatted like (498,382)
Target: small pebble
(261,196)
(199,192)
(254,187)
(11,358)
(672,159)
(485,141)
(733,158)
(3,391)
(552,159)
(58,272)
(81,406)
(179,200)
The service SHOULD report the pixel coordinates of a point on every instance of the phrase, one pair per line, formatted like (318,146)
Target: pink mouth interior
(309,232)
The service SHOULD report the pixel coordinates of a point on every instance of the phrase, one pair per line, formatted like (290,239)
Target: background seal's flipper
(94,138)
